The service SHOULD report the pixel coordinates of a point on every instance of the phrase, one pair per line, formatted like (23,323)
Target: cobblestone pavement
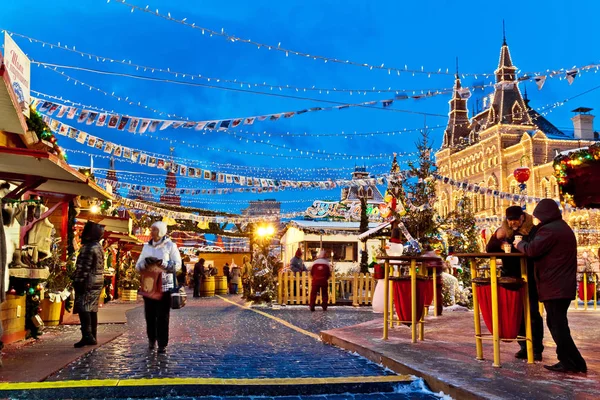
(211,338)
(318,321)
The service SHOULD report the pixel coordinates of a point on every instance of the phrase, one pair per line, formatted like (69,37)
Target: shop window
(342,251)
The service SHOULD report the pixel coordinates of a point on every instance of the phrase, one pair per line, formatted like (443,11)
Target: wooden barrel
(240,290)
(207,287)
(221,285)
(12,315)
(50,312)
(128,294)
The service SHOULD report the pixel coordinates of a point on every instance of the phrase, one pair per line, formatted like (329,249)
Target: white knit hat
(162,228)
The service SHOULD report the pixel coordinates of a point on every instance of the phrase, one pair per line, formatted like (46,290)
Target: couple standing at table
(551,249)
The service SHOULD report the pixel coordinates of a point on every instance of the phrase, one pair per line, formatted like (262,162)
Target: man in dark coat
(320,273)
(518,222)
(554,251)
(226,273)
(88,281)
(198,275)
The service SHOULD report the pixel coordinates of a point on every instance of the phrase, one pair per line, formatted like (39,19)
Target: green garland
(565,165)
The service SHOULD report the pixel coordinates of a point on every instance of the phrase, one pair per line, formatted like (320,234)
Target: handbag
(151,283)
(178,299)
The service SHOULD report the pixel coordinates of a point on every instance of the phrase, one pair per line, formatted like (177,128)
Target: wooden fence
(294,288)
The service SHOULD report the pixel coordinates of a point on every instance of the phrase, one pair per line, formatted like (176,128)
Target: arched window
(361,192)
(517,112)
(369,193)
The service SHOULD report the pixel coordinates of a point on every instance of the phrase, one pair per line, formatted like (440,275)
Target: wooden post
(279,288)
(585,298)
(355,290)
(478,340)
(332,298)
(435,300)
(528,333)
(413,298)
(495,322)
(595,291)
(386,296)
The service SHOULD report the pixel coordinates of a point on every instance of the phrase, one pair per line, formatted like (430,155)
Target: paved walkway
(446,359)
(212,338)
(219,348)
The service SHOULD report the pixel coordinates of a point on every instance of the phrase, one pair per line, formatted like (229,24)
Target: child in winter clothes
(320,273)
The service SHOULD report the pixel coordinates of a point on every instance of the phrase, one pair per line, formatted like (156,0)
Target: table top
(409,258)
(488,255)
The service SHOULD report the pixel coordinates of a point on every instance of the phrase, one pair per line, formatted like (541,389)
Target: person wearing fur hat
(553,249)
(159,250)
(320,273)
(296,263)
(519,223)
(88,281)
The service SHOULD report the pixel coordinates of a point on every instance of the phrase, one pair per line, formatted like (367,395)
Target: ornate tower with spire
(458,128)
(507,105)
(111,175)
(171,197)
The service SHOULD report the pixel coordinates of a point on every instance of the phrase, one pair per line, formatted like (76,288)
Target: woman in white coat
(160,247)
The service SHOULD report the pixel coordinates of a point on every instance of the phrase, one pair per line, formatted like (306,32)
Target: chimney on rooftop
(583,122)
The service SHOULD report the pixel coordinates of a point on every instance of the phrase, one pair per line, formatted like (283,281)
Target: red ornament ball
(27,285)
(63,268)
(12,291)
(39,310)
(522,174)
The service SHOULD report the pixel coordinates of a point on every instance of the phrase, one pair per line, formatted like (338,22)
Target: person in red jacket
(320,273)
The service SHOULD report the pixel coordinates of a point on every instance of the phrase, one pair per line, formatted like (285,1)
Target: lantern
(522,174)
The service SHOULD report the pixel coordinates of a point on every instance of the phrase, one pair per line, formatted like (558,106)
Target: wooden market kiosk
(30,169)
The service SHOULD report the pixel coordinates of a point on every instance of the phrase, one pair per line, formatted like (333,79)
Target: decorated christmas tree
(364,226)
(462,234)
(418,194)
(265,267)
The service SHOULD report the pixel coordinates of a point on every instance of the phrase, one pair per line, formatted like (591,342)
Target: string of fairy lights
(278,48)
(242,83)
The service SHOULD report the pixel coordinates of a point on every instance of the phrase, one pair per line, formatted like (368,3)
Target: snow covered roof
(372,231)
(330,224)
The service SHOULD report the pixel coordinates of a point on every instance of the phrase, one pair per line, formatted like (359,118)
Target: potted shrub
(57,288)
(129,280)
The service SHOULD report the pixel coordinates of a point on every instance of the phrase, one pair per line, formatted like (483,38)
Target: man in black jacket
(518,222)
(554,250)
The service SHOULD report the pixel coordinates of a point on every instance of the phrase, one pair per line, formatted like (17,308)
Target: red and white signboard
(18,67)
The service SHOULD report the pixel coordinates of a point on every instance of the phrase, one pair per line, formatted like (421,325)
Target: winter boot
(86,331)
(94,327)
(17,260)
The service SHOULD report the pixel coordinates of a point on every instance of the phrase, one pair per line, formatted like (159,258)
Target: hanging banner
(18,67)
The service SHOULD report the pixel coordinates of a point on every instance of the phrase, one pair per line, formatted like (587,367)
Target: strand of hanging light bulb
(312,155)
(106,157)
(104,92)
(368,105)
(242,83)
(278,48)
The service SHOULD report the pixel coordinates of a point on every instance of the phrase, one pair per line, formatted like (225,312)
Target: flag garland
(141,158)
(515,197)
(120,121)
(148,208)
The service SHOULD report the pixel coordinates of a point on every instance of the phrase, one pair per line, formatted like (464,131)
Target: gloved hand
(169,267)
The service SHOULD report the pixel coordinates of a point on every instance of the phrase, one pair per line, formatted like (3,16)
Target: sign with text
(18,67)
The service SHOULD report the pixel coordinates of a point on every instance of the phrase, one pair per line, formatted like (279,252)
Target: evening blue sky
(541,35)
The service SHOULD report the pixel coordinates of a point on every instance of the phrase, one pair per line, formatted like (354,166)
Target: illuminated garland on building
(565,166)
